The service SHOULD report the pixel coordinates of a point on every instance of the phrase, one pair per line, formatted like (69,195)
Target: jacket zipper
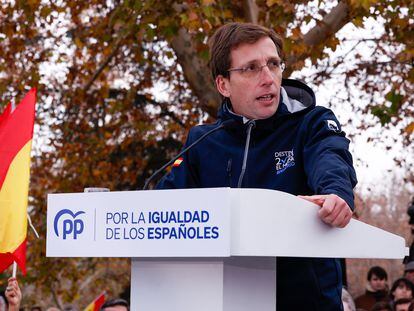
(250,125)
(229,162)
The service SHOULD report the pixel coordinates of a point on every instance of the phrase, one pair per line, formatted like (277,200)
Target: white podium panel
(232,284)
(164,223)
(275,223)
(249,284)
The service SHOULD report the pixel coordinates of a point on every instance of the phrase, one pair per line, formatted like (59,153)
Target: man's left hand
(334,211)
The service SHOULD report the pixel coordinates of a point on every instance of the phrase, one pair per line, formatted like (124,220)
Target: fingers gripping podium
(204,249)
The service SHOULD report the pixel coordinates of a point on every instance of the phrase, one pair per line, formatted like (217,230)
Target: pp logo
(70,225)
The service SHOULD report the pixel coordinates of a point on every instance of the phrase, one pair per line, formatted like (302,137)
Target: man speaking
(272,136)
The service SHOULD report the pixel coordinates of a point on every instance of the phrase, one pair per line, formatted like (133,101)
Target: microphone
(227,123)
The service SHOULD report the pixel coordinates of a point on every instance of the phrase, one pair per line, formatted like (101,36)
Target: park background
(120,82)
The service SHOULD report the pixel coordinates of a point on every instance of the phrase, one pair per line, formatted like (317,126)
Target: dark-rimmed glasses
(252,70)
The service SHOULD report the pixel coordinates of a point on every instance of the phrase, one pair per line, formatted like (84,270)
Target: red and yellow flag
(16,132)
(96,304)
(178,162)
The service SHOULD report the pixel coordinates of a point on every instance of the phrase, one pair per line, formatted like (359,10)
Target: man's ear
(223,86)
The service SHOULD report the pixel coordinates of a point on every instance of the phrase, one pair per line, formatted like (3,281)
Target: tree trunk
(196,72)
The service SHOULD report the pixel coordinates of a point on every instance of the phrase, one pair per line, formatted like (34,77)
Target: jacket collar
(296,97)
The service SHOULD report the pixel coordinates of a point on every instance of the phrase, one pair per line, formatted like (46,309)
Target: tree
(100,64)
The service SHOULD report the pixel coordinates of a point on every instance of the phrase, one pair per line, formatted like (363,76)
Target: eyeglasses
(252,70)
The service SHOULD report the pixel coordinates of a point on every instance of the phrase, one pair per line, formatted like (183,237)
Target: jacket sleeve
(327,160)
(181,174)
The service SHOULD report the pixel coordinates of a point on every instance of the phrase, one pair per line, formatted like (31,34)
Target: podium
(204,249)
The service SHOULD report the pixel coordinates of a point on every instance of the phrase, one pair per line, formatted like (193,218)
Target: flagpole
(13,106)
(14,269)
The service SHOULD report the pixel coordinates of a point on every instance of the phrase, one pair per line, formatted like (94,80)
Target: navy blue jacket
(301,149)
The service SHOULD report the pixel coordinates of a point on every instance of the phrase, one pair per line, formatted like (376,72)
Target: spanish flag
(96,304)
(16,132)
(178,162)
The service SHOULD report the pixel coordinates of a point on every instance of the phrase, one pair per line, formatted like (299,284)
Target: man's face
(254,97)
(377,283)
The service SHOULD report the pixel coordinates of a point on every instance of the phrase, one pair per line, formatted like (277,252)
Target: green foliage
(386,112)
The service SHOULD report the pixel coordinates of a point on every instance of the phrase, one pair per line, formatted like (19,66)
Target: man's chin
(266,112)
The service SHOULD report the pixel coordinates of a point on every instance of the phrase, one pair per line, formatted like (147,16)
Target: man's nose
(266,76)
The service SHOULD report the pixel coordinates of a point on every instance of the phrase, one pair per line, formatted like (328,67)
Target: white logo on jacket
(284,160)
(333,126)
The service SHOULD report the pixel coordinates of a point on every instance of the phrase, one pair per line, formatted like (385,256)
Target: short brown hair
(378,271)
(229,37)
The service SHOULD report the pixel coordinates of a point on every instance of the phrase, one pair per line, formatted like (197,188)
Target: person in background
(409,271)
(410,212)
(376,289)
(115,305)
(411,306)
(3,303)
(401,288)
(402,304)
(347,301)
(381,306)
(13,294)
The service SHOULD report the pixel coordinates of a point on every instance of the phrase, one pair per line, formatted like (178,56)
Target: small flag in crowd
(96,304)
(16,132)
(178,162)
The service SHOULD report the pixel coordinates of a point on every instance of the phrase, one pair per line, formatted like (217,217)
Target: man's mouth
(266,97)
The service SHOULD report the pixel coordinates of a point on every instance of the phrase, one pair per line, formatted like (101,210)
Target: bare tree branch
(330,24)
(104,64)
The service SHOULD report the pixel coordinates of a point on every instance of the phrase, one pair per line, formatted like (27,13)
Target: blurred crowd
(11,299)
(379,296)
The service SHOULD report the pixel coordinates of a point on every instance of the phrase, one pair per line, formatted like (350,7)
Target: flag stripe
(13,201)
(19,256)
(16,131)
(99,302)
(5,114)
(13,209)
(96,304)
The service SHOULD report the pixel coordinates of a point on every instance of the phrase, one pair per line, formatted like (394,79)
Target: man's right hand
(334,210)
